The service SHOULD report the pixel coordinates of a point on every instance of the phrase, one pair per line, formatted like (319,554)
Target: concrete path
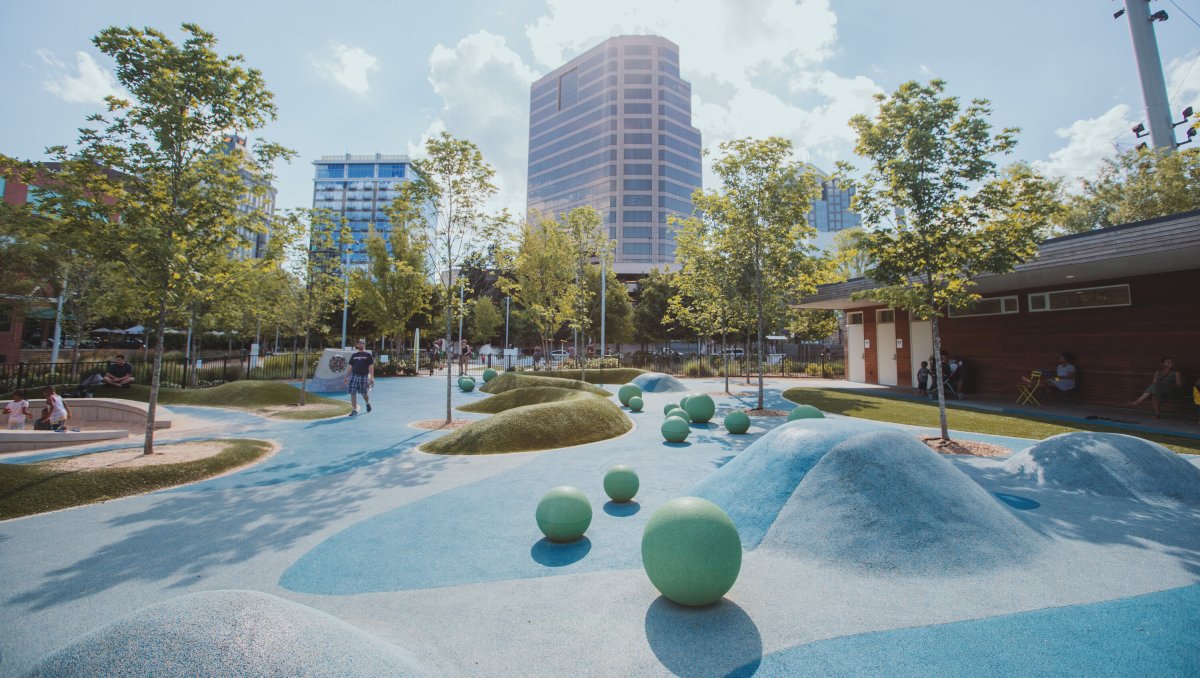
(440,557)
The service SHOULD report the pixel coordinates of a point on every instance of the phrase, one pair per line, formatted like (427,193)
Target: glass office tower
(359,187)
(612,128)
(831,212)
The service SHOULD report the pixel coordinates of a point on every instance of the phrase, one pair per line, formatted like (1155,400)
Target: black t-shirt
(122,370)
(360,363)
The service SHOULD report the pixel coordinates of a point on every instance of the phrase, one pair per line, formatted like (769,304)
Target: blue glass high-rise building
(612,128)
(831,212)
(359,187)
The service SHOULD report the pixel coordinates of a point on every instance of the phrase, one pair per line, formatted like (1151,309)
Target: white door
(885,335)
(856,364)
(920,344)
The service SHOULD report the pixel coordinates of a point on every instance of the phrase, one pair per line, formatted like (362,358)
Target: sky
(381,77)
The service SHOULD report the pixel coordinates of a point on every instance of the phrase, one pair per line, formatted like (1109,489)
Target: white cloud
(1089,142)
(348,67)
(89,83)
(1183,83)
(484,87)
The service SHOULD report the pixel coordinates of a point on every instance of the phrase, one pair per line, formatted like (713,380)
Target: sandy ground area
(440,424)
(176,453)
(310,407)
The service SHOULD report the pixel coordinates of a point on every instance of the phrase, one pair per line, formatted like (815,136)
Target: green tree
(453,184)
(849,258)
(1134,186)
(484,320)
(652,306)
(934,159)
(760,214)
(618,308)
(394,286)
(541,279)
(582,228)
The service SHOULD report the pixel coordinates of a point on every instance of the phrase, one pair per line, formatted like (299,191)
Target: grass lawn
(26,489)
(245,395)
(899,411)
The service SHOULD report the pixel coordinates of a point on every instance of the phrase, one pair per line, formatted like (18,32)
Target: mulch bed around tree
(971,447)
(440,424)
(766,413)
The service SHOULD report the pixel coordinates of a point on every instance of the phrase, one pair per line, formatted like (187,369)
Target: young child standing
(58,410)
(17,411)
(923,379)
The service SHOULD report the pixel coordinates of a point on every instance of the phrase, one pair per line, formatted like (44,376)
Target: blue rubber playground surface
(350,550)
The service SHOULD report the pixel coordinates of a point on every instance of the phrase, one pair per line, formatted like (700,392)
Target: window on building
(854,318)
(639,79)
(636,232)
(990,306)
(391,169)
(568,89)
(638,200)
(1087,297)
(642,248)
(360,171)
(638,93)
(638,50)
(638,184)
(638,123)
(633,109)
(636,216)
(331,171)
(639,169)
(637,64)
(885,316)
(6,318)
(639,138)
(638,154)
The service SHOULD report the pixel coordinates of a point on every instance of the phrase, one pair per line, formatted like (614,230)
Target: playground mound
(1110,464)
(863,495)
(885,501)
(511,380)
(605,375)
(657,382)
(218,633)
(536,427)
(520,397)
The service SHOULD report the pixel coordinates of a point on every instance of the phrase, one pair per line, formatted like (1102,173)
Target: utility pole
(345,293)
(1149,63)
(603,298)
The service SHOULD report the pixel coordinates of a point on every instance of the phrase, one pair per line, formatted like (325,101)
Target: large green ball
(681,413)
(737,421)
(700,407)
(804,412)
(563,514)
(467,385)
(675,430)
(636,404)
(691,551)
(669,406)
(621,483)
(488,375)
(628,391)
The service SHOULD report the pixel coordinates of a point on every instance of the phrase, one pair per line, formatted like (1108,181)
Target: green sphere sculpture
(683,401)
(681,413)
(804,412)
(675,430)
(621,483)
(669,406)
(564,514)
(488,375)
(691,551)
(737,421)
(636,404)
(700,407)
(628,391)
(467,385)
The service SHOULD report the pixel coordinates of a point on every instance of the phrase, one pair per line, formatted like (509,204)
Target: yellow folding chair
(1027,389)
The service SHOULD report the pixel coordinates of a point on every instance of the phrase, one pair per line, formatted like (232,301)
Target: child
(43,422)
(17,410)
(58,410)
(923,379)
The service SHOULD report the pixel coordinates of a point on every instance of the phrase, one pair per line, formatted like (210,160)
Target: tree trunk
(941,391)
(155,376)
(304,372)
(449,324)
(725,360)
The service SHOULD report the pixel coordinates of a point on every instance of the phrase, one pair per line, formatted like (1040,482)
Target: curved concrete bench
(128,413)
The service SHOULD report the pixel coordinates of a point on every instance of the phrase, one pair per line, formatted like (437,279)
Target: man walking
(361,377)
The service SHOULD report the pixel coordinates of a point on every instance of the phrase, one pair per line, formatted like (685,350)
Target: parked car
(734,353)
(559,356)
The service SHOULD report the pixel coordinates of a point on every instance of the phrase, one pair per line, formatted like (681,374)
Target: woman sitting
(1166,380)
(1064,373)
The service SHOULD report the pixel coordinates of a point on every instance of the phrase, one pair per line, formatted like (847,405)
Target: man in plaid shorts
(361,377)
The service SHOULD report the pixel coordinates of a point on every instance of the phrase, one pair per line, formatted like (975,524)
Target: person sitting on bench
(1166,381)
(119,373)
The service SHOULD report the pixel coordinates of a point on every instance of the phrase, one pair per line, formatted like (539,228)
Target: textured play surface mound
(222,633)
(606,375)
(536,427)
(885,501)
(657,382)
(510,380)
(1110,464)
(520,397)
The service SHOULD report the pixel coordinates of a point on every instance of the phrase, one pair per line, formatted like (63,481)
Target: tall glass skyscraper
(831,212)
(359,187)
(612,128)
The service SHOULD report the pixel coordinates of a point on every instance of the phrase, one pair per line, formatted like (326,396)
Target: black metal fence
(212,371)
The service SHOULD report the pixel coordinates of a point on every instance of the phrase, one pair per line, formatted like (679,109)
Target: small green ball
(675,430)
(804,412)
(488,375)
(700,407)
(564,514)
(681,413)
(669,406)
(691,551)
(467,385)
(737,421)
(628,391)
(684,400)
(621,483)
(636,404)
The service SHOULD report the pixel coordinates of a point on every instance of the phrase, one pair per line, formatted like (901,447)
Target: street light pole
(58,324)
(603,299)
(507,309)
(345,293)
